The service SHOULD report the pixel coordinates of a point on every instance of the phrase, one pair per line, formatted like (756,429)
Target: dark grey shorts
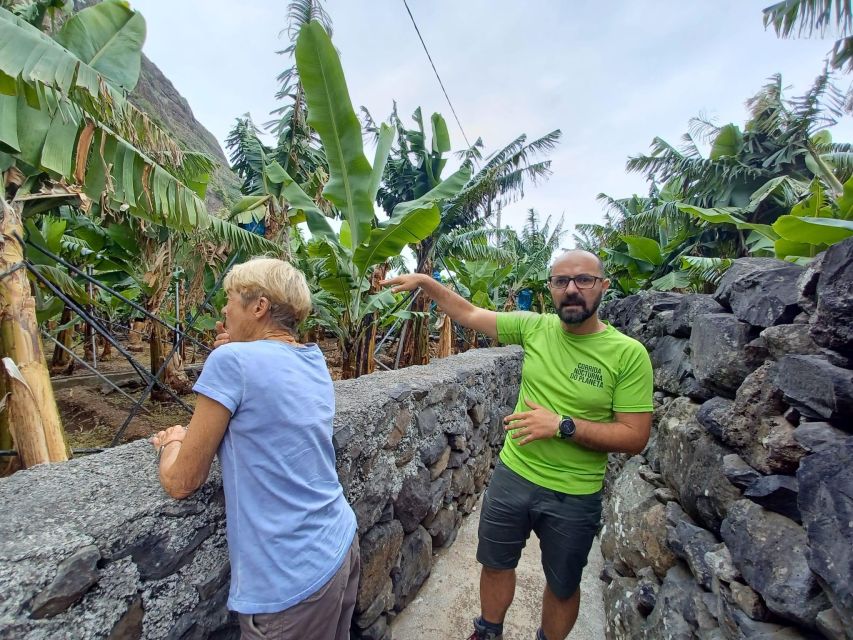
(565,525)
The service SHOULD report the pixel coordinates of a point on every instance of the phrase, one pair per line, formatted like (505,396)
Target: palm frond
(238,239)
(806,17)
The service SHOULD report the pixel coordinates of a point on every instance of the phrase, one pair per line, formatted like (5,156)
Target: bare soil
(92,415)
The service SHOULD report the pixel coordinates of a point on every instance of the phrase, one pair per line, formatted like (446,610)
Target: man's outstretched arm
(455,306)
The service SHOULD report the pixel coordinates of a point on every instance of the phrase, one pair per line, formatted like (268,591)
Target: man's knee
(564,597)
(497,573)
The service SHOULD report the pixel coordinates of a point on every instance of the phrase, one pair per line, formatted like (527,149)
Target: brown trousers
(324,615)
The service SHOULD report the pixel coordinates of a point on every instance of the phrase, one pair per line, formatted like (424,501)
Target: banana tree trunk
(445,337)
(416,347)
(134,336)
(33,417)
(348,360)
(174,374)
(62,362)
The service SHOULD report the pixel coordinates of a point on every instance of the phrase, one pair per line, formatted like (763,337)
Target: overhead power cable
(418,31)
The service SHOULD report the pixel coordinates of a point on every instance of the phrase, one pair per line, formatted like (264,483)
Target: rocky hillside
(736,522)
(158,97)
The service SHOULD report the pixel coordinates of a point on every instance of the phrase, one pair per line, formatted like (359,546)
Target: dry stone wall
(94,549)
(737,520)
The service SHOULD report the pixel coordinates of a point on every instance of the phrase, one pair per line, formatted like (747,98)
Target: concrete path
(450,598)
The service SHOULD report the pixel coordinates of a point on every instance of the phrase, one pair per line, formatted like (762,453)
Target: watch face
(567,428)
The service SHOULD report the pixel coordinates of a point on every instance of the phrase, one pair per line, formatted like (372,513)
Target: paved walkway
(450,598)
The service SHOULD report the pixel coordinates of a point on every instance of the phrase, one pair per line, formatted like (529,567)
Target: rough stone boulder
(817,388)
(737,625)
(413,501)
(830,325)
(634,534)
(624,620)
(690,543)
(682,610)
(761,291)
(826,503)
(738,472)
(639,315)
(672,370)
(820,436)
(380,548)
(776,493)
(786,339)
(414,569)
(770,551)
(722,352)
(754,424)
(689,307)
(691,464)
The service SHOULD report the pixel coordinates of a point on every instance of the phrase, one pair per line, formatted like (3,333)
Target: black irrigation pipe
(106,334)
(11,453)
(89,367)
(108,289)
(187,337)
(190,321)
(408,299)
(16,267)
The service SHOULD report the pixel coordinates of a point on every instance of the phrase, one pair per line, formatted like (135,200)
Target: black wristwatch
(567,428)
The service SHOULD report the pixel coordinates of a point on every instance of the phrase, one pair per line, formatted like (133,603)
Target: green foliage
(770,188)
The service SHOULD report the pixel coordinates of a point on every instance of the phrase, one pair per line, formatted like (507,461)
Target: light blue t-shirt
(288,524)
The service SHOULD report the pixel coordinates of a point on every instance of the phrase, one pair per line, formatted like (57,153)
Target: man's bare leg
(497,589)
(558,615)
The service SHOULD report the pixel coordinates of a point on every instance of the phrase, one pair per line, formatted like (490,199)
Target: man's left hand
(537,424)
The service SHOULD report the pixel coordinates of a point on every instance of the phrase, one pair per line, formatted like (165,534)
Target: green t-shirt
(588,377)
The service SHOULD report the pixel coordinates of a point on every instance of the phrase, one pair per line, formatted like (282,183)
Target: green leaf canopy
(108,37)
(331,114)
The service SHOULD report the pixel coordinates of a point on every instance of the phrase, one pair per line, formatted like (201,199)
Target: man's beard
(578,315)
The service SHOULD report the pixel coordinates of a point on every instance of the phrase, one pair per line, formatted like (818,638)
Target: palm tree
(533,249)
(415,167)
(719,206)
(809,16)
(297,150)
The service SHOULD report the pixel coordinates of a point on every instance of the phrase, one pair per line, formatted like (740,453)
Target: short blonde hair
(276,280)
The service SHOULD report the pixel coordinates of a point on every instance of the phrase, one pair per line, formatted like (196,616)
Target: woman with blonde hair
(265,404)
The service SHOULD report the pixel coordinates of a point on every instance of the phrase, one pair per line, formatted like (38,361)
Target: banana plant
(68,136)
(350,258)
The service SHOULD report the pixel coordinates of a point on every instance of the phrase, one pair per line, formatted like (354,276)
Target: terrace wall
(93,548)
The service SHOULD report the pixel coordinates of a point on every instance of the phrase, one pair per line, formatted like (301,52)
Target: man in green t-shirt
(586,390)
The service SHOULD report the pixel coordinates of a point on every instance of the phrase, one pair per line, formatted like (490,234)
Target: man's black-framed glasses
(583,281)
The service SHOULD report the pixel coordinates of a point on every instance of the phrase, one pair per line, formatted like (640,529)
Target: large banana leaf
(331,114)
(239,238)
(643,248)
(383,148)
(389,238)
(727,215)
(249,209)
(108,37)
(61,105)
(443,191)
(300,201)
(31,58)
(813,230)
(727,143)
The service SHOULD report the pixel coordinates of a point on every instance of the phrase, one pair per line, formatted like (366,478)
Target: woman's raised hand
(222,336)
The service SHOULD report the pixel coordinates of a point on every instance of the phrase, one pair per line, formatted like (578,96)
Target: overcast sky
(610,75)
